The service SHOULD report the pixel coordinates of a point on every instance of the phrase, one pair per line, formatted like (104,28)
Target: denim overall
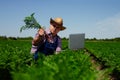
(46,48)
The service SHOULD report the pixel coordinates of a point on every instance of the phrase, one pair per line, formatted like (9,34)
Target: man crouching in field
(47,41)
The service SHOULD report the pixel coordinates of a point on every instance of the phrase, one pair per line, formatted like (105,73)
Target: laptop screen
(76,41)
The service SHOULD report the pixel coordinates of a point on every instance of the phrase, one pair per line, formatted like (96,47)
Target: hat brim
(62,27)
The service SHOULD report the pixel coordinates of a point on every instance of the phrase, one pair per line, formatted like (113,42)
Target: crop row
(108,52)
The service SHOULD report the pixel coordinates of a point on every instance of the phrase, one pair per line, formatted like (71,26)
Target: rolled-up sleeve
(33,49)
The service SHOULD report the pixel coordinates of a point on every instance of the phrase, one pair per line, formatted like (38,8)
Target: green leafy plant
(30,22)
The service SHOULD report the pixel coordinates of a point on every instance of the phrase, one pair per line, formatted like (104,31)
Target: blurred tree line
(64,38)
(106,39)
(15,38)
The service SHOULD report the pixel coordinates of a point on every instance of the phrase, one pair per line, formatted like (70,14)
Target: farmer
(47,41)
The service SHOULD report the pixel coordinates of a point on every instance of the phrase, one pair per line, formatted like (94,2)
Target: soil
(102,69)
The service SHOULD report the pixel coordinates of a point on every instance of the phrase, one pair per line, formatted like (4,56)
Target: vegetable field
(109,55)
(16,62)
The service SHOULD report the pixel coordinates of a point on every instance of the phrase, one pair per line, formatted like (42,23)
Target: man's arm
(58,49)
(39,37)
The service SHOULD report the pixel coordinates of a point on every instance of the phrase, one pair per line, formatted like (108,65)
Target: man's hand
(41,32)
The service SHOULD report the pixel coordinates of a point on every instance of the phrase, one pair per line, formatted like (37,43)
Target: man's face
(54,28)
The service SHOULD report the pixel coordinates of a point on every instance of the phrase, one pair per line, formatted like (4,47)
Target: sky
(96,18)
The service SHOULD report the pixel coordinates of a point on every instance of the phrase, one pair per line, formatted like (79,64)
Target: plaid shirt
(53,39)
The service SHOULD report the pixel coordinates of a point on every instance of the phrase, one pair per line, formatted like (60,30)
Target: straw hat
(58,21)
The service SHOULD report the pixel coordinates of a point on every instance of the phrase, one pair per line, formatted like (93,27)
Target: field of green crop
(108,53)
(16,62)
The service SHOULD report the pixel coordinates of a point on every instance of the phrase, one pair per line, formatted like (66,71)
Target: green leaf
(30,22)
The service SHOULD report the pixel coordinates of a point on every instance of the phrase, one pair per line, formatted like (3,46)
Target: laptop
(76,41)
